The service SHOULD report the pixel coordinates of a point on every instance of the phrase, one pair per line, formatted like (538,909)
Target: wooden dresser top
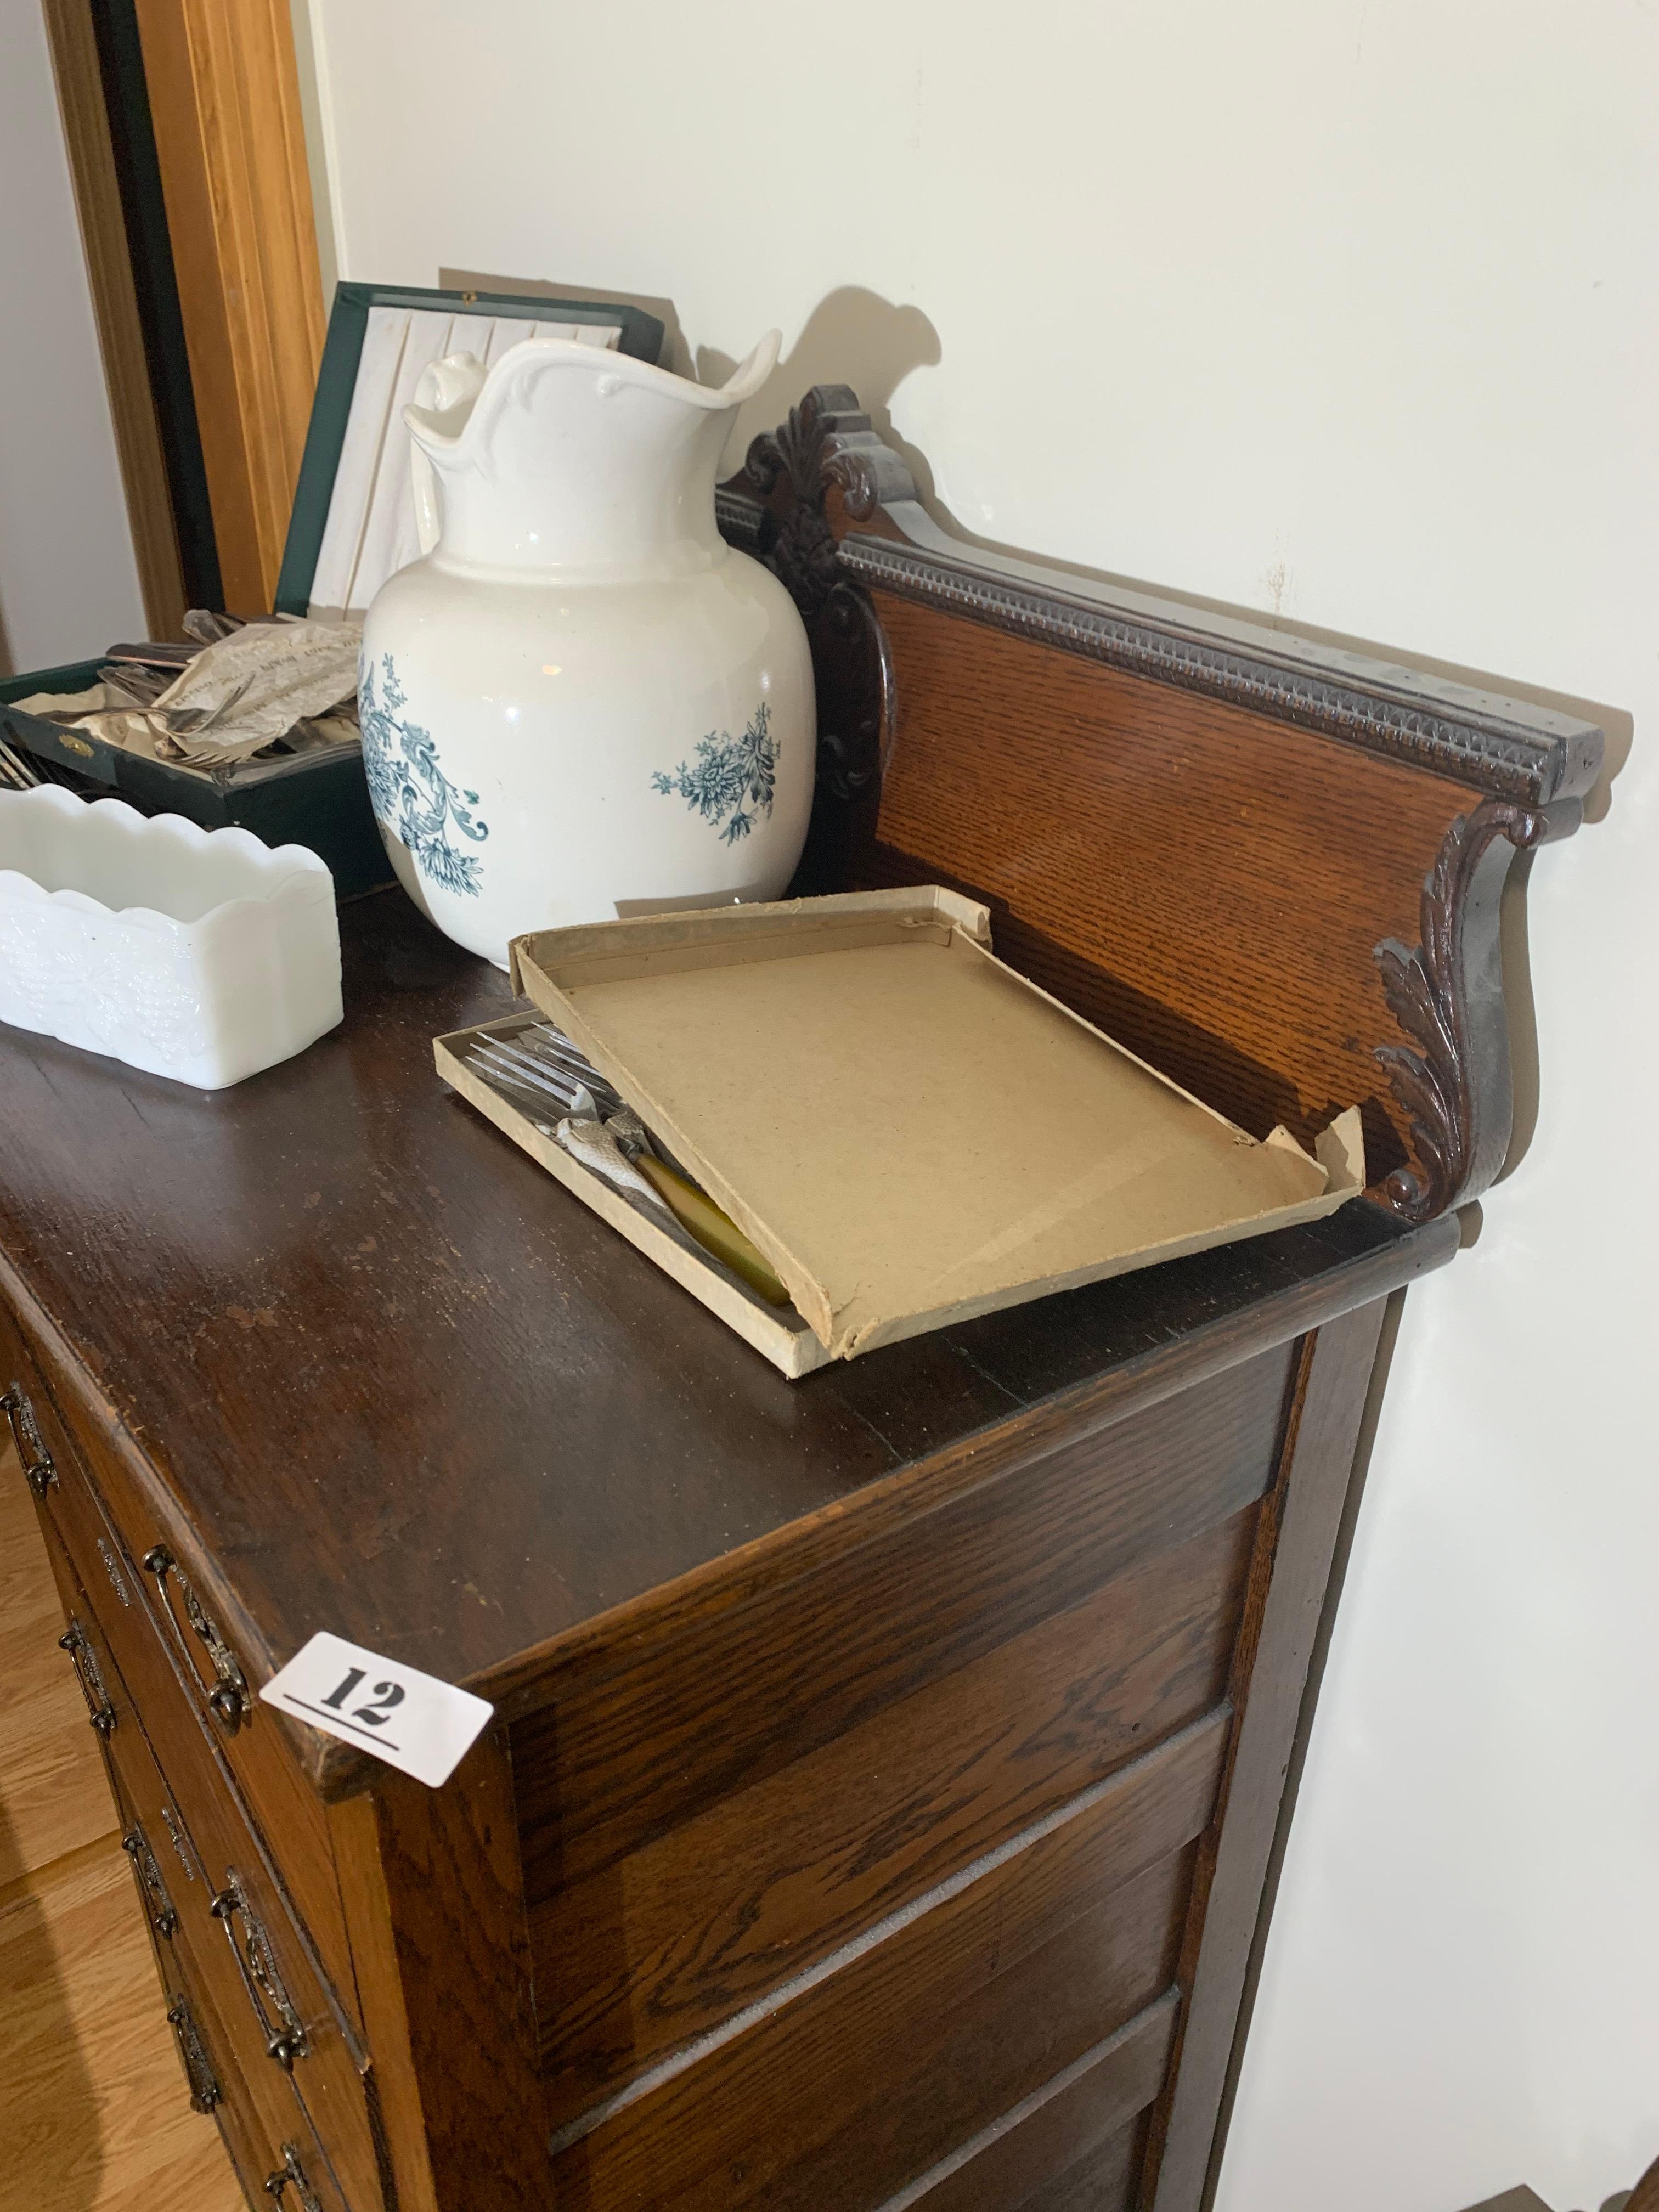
(399,1385)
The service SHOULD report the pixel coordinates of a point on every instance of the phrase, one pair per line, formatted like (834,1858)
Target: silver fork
(550,1047)
(546,1053)
(541,1079)
(606,1139)
(15,773)
(517,1071)
(599,1128)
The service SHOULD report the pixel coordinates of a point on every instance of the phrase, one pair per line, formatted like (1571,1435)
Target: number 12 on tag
(411,1719)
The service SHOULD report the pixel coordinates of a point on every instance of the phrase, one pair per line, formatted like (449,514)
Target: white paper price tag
(409,1719)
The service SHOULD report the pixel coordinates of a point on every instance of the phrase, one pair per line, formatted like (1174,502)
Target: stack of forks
(541,1063)
(15,773)
(597,1127)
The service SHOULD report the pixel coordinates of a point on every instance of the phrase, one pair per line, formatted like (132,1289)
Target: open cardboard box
(911,1132)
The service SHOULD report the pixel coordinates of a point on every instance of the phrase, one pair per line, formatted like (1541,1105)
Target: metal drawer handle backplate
(99,1710)
(285,2033)
(159,1905)
(228,1697)
(291,2175)
(181,1850)
(198,2068)
(37,1469)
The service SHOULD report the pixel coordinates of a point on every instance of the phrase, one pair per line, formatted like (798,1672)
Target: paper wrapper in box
(352,526)
(912,1133)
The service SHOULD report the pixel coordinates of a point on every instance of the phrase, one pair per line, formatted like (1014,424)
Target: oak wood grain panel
(704,1918)
(107,1542)
(53,1799)
(1082,2122)
(115,309)
(1289,1580)
(873,2072)
(96,2117)
(759,1685)
(1104,2180)
(433,1887)
(1246,973)
(225,96)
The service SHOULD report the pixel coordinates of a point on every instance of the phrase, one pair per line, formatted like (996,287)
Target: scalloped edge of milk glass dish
(201,955)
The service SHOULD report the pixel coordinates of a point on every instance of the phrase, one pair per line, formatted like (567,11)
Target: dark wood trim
(1376,708)
(1295,1544)
(434,1907)
(1447,993)
(1394,1309)
(1504,747)
(138,447)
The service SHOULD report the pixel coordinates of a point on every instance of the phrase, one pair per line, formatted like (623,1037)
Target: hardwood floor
(94,2112)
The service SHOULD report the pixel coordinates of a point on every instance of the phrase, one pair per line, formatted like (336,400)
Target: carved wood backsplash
(1246,972)
(1269,866)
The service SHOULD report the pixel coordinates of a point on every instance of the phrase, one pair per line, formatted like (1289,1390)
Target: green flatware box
(351,526)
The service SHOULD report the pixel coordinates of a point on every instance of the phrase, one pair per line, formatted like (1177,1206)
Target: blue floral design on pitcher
(412,795)
(734,776)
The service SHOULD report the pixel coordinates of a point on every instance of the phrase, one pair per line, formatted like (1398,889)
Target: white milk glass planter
(202,955)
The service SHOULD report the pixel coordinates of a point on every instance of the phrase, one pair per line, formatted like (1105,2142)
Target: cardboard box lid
(910,1130)
(353,523)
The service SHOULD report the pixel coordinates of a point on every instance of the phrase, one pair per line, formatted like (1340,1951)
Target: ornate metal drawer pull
(228,1695)
(37,1469)
(100,1711)
(159,1905)
(285,2035)
(292,2175)
(205,2091)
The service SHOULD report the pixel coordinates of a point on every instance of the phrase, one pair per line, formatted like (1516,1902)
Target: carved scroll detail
(1447,994)
(828,439)
(775,510)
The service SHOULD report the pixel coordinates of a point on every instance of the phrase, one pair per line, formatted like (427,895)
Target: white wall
(68,583)
(1343,308)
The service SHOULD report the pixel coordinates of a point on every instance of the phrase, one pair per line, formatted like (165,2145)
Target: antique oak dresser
(887,1770)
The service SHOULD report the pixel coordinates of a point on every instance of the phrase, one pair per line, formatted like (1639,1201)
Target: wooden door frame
(138,445)
(224,96)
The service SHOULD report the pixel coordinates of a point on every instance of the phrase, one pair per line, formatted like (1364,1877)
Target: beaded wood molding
(1272,865)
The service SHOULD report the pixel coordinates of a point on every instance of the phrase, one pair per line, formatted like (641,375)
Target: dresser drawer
(190,1955)
(840,1774)
(118,1546)
(212,2087)
(853,2088)
(281,2169)
(209,1894)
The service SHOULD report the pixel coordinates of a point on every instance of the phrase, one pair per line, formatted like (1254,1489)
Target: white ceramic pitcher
(582,703)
